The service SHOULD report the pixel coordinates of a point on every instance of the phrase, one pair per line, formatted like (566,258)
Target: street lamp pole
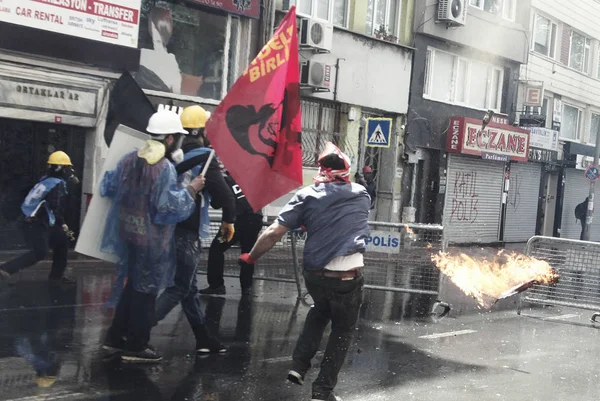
(590,210)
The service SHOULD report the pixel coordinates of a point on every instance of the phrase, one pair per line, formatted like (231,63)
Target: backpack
(581,210)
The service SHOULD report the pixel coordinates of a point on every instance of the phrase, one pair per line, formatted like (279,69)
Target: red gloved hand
(245,258)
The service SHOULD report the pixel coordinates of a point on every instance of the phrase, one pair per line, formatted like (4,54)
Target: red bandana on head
(329,174)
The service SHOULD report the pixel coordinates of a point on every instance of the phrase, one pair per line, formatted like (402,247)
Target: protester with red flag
(255,130)
(335,214)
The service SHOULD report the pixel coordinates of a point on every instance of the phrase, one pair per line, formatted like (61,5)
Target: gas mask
(173,151)
(69,176)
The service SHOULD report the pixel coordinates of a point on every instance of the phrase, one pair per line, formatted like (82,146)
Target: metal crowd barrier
(276,265)
(578,266)
(398,259)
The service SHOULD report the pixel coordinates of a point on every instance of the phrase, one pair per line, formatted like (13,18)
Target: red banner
(256,129)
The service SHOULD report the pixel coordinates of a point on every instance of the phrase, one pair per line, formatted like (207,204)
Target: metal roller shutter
(577,188)
(473,200)
(522,205)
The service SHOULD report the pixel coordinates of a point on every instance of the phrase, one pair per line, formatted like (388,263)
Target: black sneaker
(213,291)
(62,282)
(212,346)
(146,356)
(114,346)
(332,397)
(295,377)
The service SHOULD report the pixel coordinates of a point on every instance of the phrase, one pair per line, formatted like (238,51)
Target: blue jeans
(185,289)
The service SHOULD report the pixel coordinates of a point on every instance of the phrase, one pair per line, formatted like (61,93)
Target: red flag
(256,129)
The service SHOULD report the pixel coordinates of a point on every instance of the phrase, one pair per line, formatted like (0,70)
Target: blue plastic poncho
(147,203)
(185,178)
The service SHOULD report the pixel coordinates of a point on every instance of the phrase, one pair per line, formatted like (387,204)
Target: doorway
(549,203)
(25,147)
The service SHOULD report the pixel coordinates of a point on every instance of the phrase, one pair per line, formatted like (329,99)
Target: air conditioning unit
(315,75)
(315,34)
(453,12)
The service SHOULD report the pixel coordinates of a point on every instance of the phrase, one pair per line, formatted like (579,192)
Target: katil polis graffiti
(464,197)
(514,194)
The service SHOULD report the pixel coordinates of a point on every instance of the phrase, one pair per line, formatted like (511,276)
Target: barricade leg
(296,264)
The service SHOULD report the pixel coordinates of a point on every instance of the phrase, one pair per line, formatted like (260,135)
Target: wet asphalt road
(545,354)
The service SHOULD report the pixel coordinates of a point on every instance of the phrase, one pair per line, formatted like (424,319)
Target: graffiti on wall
(514,194)
(464,197)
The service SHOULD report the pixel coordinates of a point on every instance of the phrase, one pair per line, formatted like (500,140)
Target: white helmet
(165,122)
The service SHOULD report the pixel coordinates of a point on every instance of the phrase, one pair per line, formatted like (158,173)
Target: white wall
(583,15)
(372,73)
(483,32)
(574,87)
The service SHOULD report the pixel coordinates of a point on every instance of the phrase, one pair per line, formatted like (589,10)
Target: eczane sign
(465,136)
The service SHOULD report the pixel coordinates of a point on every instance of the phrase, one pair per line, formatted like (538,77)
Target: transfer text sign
(110,21)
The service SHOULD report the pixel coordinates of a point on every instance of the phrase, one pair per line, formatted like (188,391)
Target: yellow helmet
(45,381)
(194,117)
(60,158)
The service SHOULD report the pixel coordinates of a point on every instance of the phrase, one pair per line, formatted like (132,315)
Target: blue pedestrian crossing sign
(379,131)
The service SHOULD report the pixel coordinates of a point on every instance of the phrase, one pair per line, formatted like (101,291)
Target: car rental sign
(497,142)
(110,21)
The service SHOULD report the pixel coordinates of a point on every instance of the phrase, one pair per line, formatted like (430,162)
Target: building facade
(360,69)
(58,66)
(560,93)
(467,66)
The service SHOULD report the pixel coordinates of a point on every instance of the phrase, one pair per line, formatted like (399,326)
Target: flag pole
(208,161)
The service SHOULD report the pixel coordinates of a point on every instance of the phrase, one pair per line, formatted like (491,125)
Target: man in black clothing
(367,181)
(581,212)
(248,225)
(188,232)
(44,225)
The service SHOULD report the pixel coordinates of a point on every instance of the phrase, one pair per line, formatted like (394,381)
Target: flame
(486,279)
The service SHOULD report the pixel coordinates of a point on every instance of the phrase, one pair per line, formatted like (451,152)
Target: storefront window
(594,128)
(182,49)
(571,123)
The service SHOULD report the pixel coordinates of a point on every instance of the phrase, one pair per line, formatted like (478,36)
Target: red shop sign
(247,8)
(465,136)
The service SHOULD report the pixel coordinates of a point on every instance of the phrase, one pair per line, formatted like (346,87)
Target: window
(571,122)
(547,112)
(495,100)
(317,9)
(478,92)
(579,55)
(544,36)
(458,80)
(509,9)
(491,6)
(382,14)
(594,128)
(183,50)
(441,80)
(340,13)
(319,122)
(460,94)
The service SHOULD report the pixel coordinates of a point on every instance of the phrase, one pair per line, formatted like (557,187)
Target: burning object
(491,278)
